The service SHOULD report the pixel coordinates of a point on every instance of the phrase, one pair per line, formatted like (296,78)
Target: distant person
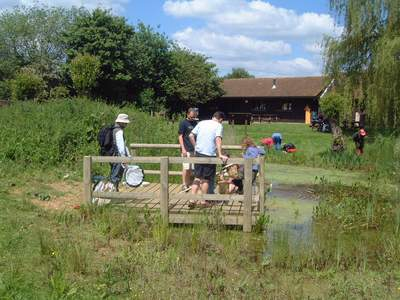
(119,149)
(277,138)
(250,150)
(207,139)
(187,149)
(358,139)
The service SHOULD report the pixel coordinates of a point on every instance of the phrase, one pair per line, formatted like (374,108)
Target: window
(287,107)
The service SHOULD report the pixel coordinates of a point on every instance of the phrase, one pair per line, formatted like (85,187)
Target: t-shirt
(185,128)
(206,132)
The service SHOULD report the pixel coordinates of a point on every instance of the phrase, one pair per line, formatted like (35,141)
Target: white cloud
(273,68)
(116,6)
(233,46)
(254,18)
(255,35)
(314,48)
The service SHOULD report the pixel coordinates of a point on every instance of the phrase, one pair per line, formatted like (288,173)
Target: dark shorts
(204,171)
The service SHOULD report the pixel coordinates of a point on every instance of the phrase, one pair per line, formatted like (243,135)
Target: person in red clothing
(358,139)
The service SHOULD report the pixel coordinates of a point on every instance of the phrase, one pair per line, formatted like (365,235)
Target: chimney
(274,83)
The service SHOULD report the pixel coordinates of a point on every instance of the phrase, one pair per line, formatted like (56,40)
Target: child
(250,150)
(230,177)
(358,139)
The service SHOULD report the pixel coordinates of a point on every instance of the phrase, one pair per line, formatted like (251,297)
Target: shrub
(85,69)
(59,92)
(27,85)
(5,90)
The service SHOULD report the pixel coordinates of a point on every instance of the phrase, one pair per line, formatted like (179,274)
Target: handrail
(175,146)
(172,160)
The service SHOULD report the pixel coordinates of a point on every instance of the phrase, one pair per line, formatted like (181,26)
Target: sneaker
(185,188)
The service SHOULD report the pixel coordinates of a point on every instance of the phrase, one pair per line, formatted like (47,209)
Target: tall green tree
(194,80)
(365,59)
(31,37)
(108,37)
(238,73)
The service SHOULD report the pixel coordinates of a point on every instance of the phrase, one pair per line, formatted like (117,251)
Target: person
(119,149)
(230,177)
(358,138)
(277,138)
(206,137)
(187,149)
(250,150)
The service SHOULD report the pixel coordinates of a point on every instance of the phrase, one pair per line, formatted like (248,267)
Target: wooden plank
(87,179)
(207,160)
(248,189)
(210,197)
(124,196)
(127,160)
(157,172)
(164,193)
(262,184)
(175,146)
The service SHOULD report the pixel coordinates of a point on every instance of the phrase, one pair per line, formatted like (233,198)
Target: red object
(363,132)
(291,150)
(77,206)
(267,142)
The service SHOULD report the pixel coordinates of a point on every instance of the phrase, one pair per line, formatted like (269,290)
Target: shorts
(188,166)
(204,171)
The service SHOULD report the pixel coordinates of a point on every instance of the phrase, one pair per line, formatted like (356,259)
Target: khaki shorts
(188,166)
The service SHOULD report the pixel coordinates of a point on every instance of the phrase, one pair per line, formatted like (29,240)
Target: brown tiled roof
(285,87)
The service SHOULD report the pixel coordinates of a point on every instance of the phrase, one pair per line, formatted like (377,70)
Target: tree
(109,38)
(84,69)
(238,73)
(333,106)
(31,37)
(365,59)
(194,80)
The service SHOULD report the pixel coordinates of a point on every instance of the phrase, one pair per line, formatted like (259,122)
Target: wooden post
(87,178)
(261,177)
(164,194)
(248,188)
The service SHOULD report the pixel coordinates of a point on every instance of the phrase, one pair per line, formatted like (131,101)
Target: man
(207,139)
(187,149)
(358,139)
(120,149)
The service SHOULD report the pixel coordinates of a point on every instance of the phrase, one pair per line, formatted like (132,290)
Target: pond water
(290,208)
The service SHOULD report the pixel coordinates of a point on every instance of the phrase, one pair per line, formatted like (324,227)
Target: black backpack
(106,140)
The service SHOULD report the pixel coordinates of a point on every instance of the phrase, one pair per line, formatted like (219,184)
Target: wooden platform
(230,212)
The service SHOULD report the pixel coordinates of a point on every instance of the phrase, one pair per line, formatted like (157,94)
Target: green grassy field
(52,251)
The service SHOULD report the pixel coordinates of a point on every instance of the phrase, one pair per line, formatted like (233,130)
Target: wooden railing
(164,173)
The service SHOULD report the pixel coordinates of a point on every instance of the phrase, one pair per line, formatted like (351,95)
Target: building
(291,99)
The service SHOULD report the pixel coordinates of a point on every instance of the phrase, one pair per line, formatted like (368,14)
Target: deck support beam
(248,189)
(87,179)
(164,193)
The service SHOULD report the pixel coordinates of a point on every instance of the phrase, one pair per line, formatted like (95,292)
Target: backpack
(106,140)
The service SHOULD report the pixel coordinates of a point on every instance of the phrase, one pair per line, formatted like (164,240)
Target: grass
(350,252)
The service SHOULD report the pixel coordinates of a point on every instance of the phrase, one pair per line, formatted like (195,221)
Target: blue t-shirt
(253,152)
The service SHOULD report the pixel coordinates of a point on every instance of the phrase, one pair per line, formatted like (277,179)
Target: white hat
(122,118)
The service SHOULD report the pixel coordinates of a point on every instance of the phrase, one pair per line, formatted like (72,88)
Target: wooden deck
(228,211)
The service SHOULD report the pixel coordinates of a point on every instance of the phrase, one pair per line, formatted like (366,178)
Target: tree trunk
(338,140)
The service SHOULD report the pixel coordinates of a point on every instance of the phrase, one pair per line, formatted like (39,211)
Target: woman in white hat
(120,149)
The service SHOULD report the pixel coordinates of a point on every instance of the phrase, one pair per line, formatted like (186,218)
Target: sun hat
(122,118)
(363,132)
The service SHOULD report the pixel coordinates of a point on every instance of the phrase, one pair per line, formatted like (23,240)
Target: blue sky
(266,37)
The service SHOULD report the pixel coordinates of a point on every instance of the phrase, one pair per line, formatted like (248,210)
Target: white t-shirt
(206,132)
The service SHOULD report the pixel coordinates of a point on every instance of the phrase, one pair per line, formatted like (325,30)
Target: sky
(269,38)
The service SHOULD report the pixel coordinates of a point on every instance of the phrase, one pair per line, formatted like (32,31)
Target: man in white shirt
(207,139)
(120,149)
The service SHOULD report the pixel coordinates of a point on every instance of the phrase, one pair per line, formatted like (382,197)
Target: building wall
(285,109)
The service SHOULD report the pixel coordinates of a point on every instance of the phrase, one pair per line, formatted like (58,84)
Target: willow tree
(365,59)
